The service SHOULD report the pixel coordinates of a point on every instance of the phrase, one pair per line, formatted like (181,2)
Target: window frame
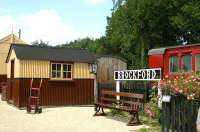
(182,63)
(178,68)
(198,54)
(61,71)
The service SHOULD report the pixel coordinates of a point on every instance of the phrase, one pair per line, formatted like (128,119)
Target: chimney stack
(19,33)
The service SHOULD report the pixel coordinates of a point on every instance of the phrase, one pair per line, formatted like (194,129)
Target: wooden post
(118,89)
(160,96)
(95,89)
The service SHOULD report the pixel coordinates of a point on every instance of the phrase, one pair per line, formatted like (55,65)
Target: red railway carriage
(185,58)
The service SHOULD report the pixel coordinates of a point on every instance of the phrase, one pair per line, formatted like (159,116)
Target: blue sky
(56,21)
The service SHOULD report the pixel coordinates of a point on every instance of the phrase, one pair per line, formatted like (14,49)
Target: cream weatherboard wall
(16,65)
(81,70)
(34,69)
(41,69)
(4,49)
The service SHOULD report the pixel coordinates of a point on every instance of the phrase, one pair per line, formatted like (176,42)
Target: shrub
(186,84)
(117,112)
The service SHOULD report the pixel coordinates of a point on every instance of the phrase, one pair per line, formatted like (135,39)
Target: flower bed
(186,84)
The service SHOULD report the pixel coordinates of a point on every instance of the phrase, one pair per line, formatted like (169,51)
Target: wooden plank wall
(76,92)
(14,92)
(3,78)
(106,67)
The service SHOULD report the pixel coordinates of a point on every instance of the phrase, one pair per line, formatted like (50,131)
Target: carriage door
(11,80)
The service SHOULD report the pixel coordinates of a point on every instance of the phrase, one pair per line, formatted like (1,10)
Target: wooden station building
(66,74)
(4,49)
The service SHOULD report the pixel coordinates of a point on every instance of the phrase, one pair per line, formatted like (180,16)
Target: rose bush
(182,83)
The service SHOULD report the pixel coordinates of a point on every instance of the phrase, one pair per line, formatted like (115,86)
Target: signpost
(154,74)
(142,74)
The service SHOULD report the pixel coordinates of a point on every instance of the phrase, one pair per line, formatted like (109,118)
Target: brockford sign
(142,74)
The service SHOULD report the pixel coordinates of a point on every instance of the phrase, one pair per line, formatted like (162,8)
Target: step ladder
(34,98)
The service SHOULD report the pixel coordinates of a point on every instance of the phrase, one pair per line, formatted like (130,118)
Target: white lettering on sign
(141,74)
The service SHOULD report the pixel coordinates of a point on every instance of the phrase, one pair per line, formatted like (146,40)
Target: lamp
(93,68)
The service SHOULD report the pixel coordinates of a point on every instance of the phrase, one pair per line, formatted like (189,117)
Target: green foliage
(185,84)
(93,45)
(40,43)
(117,112)
(138,25)
(153,103)
(144,130)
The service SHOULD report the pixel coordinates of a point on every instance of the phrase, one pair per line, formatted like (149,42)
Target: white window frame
(62,71)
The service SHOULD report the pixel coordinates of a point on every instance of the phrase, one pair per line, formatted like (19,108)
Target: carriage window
(187,63)
(173,61)
(197,65)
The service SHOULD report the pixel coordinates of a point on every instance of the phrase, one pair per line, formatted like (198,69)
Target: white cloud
(44,24)
(94,2)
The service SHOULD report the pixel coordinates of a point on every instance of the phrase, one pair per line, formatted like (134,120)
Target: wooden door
(12,80)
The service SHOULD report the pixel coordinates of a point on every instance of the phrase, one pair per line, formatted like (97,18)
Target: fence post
(118,89)
(160,96)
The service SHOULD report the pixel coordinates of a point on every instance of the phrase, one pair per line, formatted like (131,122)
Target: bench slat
(131,95)
(121,101)
(124,108)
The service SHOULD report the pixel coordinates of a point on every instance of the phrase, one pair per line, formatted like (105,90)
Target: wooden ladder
(34,98)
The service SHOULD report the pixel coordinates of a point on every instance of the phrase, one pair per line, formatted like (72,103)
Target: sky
(54,21)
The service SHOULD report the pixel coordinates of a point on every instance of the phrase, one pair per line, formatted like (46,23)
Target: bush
(117,112)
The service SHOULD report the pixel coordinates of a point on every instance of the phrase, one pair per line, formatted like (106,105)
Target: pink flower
(154,87)
(166,76)
(168,81)
(180,91)
(177,89)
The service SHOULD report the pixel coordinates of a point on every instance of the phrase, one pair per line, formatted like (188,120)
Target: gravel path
(59,119)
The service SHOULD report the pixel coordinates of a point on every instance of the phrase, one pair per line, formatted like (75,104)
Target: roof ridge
(11,35)
(176,46)
(162,50)
(35,46)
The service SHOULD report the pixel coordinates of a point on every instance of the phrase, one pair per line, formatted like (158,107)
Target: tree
(138,25)
(40,43)
(93,45)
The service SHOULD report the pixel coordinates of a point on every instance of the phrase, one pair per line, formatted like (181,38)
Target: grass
(153,124)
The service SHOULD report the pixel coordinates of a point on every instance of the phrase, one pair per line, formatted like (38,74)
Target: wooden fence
(179,115)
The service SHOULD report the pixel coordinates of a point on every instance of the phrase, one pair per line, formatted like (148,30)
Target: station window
(61,71)
(187,63)
(197,62)
(173,64)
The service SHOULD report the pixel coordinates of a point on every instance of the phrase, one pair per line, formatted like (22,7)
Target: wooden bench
(132,103)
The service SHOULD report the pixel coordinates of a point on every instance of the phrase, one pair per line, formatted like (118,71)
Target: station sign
(141,74)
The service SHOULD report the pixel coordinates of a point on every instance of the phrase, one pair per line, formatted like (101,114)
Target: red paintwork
(155,61)
(162,61)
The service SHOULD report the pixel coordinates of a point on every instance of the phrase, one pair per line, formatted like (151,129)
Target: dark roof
(163,49)
(112,56)
(52,54)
